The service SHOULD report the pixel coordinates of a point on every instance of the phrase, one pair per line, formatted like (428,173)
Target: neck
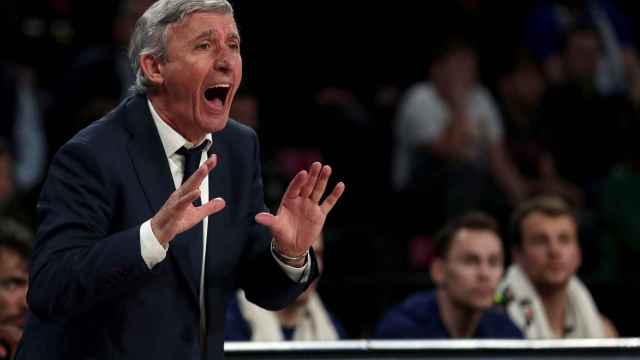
(460,321)
(555,306)
(161,106)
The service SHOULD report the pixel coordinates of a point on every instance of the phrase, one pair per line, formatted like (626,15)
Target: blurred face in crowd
(469,273)
(455,74)
(528,85)
(245,110)
(583,55)
(549,253)
(197,81)
(13,288)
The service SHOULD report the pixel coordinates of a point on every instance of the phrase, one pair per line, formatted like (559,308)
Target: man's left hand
(301,216)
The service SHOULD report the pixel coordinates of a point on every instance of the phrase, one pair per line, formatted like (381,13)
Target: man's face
(471,270)
(14,278)
(201,73)
(549,252)
(583,55)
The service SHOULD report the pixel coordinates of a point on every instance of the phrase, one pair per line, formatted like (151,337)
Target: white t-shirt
(423,116)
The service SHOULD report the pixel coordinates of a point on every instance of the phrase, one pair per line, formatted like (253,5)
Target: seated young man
(466,270)
(541,291)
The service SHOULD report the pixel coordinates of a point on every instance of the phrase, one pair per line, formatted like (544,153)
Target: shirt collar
(171,139)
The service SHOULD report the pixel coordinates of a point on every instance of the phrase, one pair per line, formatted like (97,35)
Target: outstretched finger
(332,199)
(186,200)
(321,184)
(199,175)
(211,207)
(310,184)
(295,186)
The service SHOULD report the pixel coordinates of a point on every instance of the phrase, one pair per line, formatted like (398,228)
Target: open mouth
(217,94)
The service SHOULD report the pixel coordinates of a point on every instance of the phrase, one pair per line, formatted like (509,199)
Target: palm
(300,217)
(300,222)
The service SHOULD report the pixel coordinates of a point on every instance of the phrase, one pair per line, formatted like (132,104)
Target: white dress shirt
(151,250)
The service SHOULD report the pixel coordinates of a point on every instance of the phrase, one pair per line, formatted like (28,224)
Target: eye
(203,46)
(234,45)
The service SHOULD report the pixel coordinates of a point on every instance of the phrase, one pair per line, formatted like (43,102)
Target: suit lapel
(149,159)
(219,186)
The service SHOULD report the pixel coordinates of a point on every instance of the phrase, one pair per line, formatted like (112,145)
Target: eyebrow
(204,35)
(208,34)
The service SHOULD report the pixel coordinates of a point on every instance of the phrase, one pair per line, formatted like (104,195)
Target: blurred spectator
(467,267)
(541,292)
(21,126)
(522,88)
(306,319)
(579,123)
(449,137)
(245,108)
(97,80)
(15,250)
(548,25)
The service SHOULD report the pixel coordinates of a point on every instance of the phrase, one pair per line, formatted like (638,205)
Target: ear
(152,69)
(437,271)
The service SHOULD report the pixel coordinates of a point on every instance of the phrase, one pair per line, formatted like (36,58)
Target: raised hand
(178,213)
(300,217)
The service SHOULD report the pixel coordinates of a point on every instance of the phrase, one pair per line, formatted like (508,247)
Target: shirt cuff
(151,250)
(298,275)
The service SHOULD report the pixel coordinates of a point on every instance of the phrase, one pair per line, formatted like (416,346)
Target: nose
(222,62)
(484,270)
(554,248)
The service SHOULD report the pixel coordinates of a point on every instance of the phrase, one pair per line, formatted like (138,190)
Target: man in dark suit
(152,216)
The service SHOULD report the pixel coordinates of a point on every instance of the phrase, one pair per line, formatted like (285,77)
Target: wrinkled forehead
(210,21)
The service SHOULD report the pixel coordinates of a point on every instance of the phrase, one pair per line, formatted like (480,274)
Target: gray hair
(149,36)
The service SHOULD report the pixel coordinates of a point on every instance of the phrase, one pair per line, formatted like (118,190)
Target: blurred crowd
(449,126)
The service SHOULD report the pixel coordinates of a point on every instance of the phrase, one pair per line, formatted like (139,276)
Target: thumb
(265,218)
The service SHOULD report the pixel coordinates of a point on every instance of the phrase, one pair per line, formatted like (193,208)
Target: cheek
(4,301)
(465,276)
(238,66)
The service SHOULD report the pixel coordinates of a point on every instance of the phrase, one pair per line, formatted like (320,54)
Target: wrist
(295,261)
(158,234)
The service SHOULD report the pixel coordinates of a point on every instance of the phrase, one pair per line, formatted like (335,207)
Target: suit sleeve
(264,281)
(77,262)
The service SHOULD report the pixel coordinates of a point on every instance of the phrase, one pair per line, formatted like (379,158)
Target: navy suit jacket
(91,294)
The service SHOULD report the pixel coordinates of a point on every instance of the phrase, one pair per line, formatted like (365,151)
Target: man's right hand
(178,213)
(9,337)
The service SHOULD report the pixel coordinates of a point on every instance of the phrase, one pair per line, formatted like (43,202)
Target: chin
(216,124)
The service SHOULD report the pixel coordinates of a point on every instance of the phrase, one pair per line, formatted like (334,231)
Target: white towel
(527,310)
(315,323)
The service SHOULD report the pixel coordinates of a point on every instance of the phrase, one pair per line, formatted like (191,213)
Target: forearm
(73,278)
(267,284)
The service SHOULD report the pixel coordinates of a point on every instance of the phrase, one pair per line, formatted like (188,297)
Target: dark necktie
(194,235)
